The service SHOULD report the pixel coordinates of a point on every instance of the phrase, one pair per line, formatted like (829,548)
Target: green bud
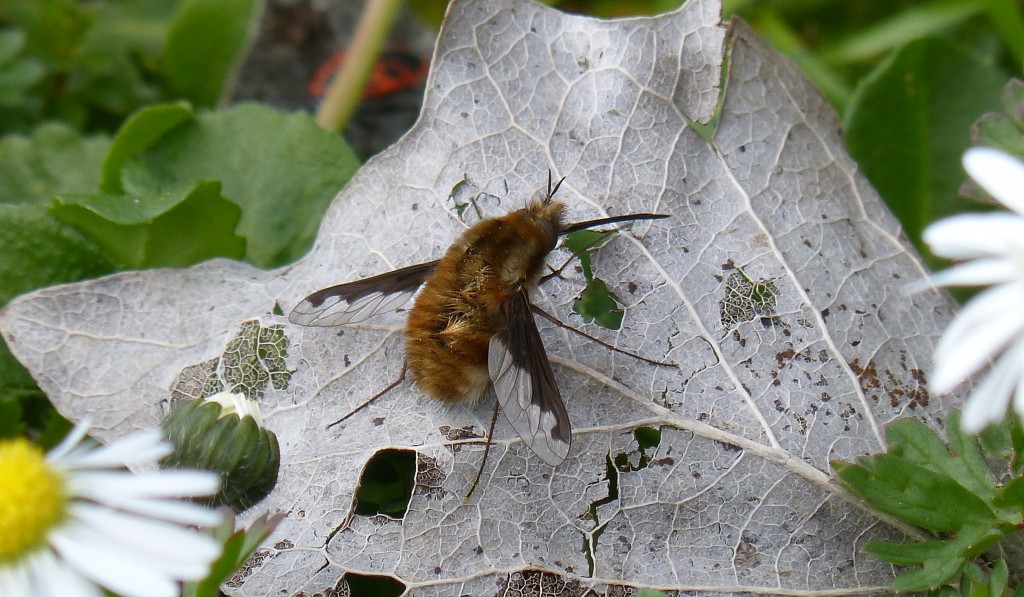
(224,433)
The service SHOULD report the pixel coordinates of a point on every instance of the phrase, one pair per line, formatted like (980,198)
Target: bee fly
(472,325)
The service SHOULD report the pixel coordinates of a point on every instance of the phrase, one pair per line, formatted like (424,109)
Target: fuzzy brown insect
(472,325)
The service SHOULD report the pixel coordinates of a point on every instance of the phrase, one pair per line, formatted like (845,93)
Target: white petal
(989,400)
(15,580)
(157,539)
(968,236)
(54,577)
(980,272)
(237,404)
(999,173)
(116,569)
(978,333)
(167,483)
(143,447)
(70,441)
(155,563)
(169,510)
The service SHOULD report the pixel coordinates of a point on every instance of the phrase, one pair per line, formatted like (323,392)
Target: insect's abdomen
(453,318)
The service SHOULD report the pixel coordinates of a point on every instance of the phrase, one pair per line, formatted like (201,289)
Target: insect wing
(526,388)
(357,301)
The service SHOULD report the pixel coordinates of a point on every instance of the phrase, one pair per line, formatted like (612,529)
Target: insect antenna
(552,191)
(373,398)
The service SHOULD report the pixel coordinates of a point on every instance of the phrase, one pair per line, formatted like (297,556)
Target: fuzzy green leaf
(53,159)
(204,43)
(145,230)
(282,170)
(40,251)
(138,133)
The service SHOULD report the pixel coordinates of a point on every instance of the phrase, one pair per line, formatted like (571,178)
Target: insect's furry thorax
(459,309)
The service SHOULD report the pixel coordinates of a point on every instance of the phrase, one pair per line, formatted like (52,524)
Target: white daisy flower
(991,325)
(74,520)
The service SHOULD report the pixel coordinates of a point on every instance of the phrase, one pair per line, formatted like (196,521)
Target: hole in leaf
(647,440)
(590,542)
(386,484)
(747,299)
(369,585)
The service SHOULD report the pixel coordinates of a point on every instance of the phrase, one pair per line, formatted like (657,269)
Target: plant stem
(347,88)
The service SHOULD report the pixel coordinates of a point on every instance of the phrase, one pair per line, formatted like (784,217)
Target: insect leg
(487,449)
(556,272)
(556,321)
(373,398)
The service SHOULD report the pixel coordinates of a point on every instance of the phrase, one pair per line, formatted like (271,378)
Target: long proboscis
(612,220)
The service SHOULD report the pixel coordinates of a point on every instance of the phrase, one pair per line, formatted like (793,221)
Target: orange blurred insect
(394,71)
(472,324)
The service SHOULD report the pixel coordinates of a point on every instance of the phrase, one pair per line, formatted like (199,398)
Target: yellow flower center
(32,498)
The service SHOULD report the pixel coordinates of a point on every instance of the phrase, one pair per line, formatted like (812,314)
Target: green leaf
(40,251)
(922,100)
(597,303)
(282,170)
(916,442)
(1013,101)
(894,485)
(999,578)
(14,378)
(939,560)
(147,230)
(238,547)
(204,43)
(581,242)
(1011,495)
(783,38)
(54,159)
(98,58)
(1004,130)
(950,489)
(16,75)
(11,42)
(15,79)
(913,22)
(138,133)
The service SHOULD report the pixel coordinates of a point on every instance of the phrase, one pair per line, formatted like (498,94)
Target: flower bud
(224,433)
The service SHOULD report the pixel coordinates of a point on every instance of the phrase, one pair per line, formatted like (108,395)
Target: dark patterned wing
(357,301)
(525,385)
